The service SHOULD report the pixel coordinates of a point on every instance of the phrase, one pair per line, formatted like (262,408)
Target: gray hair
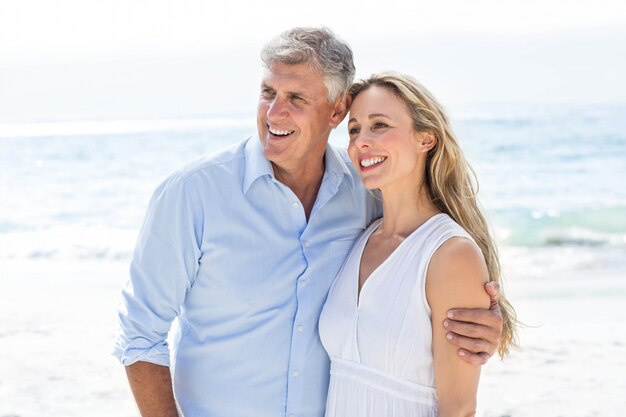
(318,47)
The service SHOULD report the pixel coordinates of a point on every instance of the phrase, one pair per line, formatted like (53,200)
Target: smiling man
(241,248)
(295,116)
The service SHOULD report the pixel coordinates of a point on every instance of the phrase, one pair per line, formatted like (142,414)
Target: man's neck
(304,182)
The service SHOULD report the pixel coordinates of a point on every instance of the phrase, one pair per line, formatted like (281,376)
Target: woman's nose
(362,140)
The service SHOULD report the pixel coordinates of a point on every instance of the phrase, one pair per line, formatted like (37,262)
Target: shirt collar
(336,166)
(258,166)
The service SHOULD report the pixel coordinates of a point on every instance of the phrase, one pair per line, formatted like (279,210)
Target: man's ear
(342,106)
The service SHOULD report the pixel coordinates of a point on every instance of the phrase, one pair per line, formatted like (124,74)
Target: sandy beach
(58,323)
(572,362)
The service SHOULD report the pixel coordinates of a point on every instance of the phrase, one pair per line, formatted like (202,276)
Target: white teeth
(372,161)
(280,132)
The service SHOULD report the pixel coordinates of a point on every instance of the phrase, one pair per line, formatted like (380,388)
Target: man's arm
(162,271)
(152,388)
(476,331)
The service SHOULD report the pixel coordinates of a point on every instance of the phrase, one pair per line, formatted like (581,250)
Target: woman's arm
(455,278)
(476,331)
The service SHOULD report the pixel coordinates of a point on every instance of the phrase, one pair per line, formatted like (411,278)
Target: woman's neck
(405,209)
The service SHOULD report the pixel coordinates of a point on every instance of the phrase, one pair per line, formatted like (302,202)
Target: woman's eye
(379,125)
(353,130)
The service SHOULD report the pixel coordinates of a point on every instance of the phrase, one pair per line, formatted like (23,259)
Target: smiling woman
(430,252)
(377,136)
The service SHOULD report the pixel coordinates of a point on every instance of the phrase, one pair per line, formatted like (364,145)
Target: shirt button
(292,415)
(307,244)
(300,328)
(294,204)
(296,373)
(303,283)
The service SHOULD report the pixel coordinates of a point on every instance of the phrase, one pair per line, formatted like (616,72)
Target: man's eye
(266,92)
(297,98)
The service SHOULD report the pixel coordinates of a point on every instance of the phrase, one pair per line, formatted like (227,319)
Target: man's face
(294,117)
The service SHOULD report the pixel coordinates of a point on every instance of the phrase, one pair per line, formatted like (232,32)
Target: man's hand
(476,331)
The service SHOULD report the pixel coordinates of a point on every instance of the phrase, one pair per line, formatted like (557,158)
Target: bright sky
(70,54)
(35,29)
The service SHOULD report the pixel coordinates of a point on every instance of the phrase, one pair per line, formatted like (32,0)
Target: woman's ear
(425,140)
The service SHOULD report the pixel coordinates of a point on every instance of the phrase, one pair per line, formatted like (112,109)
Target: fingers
(472,347)
(493,289)
(473,358)
(481,316)
(475,331)
(490,318)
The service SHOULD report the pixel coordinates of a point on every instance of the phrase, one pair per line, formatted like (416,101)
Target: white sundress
(381,346)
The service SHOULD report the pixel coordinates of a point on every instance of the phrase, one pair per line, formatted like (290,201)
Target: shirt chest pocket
(338,251)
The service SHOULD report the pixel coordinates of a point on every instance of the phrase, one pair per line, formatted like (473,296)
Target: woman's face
(384,147)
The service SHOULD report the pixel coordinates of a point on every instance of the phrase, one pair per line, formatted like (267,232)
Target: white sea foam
(69,242)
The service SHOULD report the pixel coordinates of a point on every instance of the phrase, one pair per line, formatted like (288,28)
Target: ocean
(550,177)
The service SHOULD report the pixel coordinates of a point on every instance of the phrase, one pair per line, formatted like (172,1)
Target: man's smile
(279,132)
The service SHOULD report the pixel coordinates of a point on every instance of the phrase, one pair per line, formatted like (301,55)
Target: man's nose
(277,109)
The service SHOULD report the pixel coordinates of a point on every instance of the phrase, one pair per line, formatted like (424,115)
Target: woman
(431,251)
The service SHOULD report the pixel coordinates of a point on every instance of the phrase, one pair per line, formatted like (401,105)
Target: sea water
(551,179)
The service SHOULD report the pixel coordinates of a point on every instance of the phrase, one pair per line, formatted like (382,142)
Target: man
(242,247)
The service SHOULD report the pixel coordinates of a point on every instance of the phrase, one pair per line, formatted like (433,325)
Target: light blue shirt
(227,249)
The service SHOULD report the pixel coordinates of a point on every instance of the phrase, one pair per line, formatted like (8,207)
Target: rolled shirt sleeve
(162,271)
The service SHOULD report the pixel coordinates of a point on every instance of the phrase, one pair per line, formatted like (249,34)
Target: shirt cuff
(142,350)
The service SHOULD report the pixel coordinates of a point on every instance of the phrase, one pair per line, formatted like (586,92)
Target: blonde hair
(449,179)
